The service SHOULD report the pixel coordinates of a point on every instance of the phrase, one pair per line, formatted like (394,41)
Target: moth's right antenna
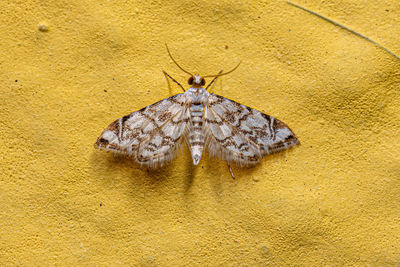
(176,63)
(225,73)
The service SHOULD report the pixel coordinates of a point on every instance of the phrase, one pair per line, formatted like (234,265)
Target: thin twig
(344,27)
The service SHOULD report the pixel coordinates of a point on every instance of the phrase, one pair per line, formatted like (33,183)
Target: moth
(156,134)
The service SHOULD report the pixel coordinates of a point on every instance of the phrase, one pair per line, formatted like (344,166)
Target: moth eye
(190,81)
(202,82)
(104,141)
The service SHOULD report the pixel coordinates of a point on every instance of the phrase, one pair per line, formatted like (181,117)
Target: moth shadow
(106,165)
(191,171)
(242,173)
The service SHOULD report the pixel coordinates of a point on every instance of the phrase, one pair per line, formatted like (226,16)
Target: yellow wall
(335,200)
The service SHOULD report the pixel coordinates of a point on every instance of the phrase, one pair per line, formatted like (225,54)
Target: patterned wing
(244,135)
(151,135)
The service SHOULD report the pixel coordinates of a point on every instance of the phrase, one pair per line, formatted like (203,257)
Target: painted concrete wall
(69,68)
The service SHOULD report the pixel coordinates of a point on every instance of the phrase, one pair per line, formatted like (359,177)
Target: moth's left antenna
(176,63)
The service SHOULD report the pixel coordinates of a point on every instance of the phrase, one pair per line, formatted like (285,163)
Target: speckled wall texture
(69,68)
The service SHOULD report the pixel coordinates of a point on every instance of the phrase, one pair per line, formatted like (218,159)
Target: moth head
(196,81)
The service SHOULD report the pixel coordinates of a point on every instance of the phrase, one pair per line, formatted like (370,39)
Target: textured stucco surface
(334,200)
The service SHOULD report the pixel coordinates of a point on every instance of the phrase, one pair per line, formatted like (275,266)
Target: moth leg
(213,80)
(230,170)
(175,81)
(166,78)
